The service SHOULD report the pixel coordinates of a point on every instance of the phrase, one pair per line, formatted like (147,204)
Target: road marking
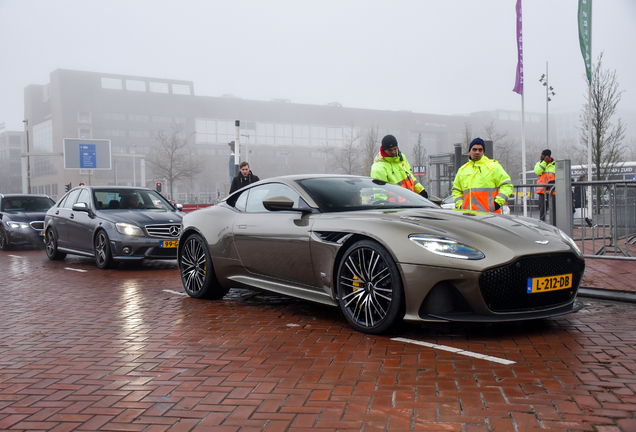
(456,350)
(16,256)
(176,292)
(77,270)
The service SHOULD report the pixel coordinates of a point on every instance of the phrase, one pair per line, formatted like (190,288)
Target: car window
(241,201)
(84,197)
(70,199)
(260,193)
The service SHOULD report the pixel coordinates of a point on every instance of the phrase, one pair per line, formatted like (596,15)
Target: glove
(424,194)
(497,206)
(459,204)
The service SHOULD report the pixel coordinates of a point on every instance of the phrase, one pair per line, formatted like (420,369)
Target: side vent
(332,237)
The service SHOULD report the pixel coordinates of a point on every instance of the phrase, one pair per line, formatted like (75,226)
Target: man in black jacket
(243,178)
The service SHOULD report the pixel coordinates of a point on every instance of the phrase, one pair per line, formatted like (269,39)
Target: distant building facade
(11,145)
(277,137)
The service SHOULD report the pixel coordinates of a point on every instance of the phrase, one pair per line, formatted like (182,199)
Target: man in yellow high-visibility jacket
(481,184)
(391,166)
(545,169)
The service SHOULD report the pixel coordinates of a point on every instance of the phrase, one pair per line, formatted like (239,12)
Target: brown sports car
(380,252)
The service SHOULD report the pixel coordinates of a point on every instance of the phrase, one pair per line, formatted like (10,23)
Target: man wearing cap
(544,169)
(391,166)
(481,184)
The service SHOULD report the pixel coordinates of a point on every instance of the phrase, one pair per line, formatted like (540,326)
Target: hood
(24,216)
(141,217)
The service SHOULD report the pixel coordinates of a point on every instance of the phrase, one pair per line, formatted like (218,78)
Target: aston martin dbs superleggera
(380,252)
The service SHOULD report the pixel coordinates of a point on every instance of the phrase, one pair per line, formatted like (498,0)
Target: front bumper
(143,248)
(24,236)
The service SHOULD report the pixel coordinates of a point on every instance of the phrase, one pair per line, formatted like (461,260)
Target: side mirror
(435,200)
(180,207)
(278,203)
(80,206)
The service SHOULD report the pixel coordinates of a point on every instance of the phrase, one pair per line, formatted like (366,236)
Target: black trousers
(544,206)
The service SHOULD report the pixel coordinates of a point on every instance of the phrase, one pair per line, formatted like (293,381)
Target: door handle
(57,212)
(242,226)
(72,216)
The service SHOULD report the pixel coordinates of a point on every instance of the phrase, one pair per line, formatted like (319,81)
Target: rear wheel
(4,240)
(197,273)
(370,289)
(103,255)
(50,243)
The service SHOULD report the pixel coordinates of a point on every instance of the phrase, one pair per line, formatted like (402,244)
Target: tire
(103,255)
(197,273)
(4,240)
(50,244)
(370,291)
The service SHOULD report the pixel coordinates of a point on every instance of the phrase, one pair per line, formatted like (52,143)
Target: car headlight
(129,229)
(447,247)
(570,242)
(15,225)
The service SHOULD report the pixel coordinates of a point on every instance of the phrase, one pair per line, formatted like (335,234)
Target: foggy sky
(427,56)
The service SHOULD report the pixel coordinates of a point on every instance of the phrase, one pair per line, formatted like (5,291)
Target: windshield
(334,194)
(130,199)
(26,204)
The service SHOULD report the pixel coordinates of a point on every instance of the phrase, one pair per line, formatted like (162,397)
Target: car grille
(37,225)
(164,230)
(504,289)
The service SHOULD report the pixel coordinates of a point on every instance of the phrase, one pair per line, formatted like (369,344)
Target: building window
(135,85)
(111,83)
(156,87)
(139,117)
(114,116)
(43,136)
(206,131)
(162,119)
(84,134)
(83,116)
(181,89)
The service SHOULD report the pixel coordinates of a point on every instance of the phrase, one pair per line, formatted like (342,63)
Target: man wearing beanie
(481,184)
(544,169)
(391,166)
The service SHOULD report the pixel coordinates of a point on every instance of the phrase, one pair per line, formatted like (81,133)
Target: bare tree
(349,158)
(420,158)
(370,148)
(172,159)
(466,136)
(607,138)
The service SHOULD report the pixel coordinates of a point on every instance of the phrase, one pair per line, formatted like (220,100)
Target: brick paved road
(112,350)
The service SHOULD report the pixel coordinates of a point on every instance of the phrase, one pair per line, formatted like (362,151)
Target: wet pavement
(124,350)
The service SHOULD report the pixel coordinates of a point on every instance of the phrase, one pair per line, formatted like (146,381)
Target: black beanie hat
(388,142)
(546,152)
(478,141)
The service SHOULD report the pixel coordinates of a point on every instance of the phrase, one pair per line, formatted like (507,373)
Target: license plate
(550,283)
(169,243)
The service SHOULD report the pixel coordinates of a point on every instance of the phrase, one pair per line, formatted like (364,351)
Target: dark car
(22,219)
(112,224)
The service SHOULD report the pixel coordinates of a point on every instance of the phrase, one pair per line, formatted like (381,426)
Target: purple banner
(519,79)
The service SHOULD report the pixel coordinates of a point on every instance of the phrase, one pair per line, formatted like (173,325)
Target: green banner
(585,35)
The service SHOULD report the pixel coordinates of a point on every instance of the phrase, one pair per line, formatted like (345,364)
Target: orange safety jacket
(479,184)
(545,175)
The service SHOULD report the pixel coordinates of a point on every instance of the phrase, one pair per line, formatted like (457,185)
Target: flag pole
(519,89)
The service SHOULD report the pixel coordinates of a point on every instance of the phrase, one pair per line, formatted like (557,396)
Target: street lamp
(134,167)
(548,92)
(26,125)
(285,153)
(247,148)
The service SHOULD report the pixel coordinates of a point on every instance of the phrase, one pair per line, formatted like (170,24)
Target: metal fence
(608,232)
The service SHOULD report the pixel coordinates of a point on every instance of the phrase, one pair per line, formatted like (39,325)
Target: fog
(428,56)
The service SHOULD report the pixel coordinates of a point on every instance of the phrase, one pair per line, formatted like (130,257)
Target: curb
(607,295)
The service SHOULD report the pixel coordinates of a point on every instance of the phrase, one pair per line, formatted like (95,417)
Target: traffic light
(68,187)
(158,187)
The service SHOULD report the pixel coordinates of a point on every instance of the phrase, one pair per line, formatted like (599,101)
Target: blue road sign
(88,156)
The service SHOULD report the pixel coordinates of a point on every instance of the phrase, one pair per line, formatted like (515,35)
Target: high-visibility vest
(478,183)
(545,175)
(395,170)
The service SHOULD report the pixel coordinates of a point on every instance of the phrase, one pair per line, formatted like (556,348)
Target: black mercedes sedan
(22,218)
(112,224)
